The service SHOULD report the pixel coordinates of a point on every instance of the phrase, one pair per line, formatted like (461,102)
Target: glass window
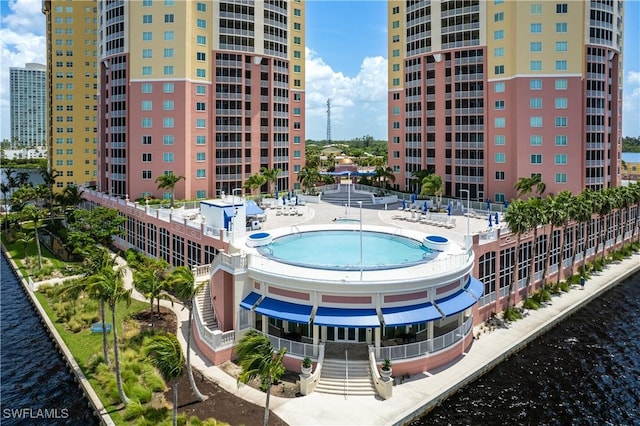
(201,106)
(536,158)
(146,70)
(561,65)
(297,12)
(499,157)
(498,52)
(201,193)
(167,157)
(499,69)
(147,88)
(561,8)
(201,56)
(561,159)
(168,139)
(499,175)
(147,123)
(498,87)
(167,122)
(561,27)
(561,84)
(168,70)
(201,23)
(497,17)
(201,123)
(535,84)
(201,89)
(168,18)
(498,34)
(201,7)
(201,140)
(146,140)
(146,157)
(201,72)
(499,140)
(535,103)
(499,105)
(535,140)
(535,65)
(146,106)
(536,9)
(200,39)
(561,178)
(535,46)
(561,103)
(201,156)
(499,122)
(536,28)
(561,46)
(167,105)
(168,88)
(147,19)
(535,121)
(147,36)
(168,53)
(201,173)
(561,121)
(561,140)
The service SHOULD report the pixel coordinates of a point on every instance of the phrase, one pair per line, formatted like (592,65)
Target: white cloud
(358,104)
(22,41)
(631,105)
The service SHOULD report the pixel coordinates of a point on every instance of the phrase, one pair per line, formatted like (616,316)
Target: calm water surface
(33,375)
(585,371)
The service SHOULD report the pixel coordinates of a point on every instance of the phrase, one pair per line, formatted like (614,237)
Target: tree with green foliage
(257,358)
(254,182)
(518,222)
(97,226)
(164,353)
(308,177)
(527,185)
(34,214)
(184,286)
(272,178)
(169,181)
(25,239)
(151,281)
(536,216)
(383,175)
(49,177)
(433,185)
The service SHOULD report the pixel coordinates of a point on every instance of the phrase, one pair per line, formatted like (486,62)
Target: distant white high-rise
(28,105)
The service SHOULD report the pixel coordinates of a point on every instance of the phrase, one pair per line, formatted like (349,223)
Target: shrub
(531,304)
(512,314)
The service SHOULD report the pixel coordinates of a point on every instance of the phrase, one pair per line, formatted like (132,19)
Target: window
(561,103)
(297,12)
(561,27)
(535,140)
(499,157)
(561,8)
(147,19)
(498,34)
(561,84)
(498,17)
(168,18)
(499,69)
(498,52)
(395,53)
(201,173)
(536,9)
(498,87)
(147,70)
(201,140)
(297,140)
(168,88)
(146,140)
(296,154)
(168,70)
(561,65)
(297,54)
(167,105)
(146,157)
(561,46)
(201,23)
(535,103)
(396,154)
(201,7)
(201,72)
(201,193)
(499,105)
(561,121)
(561,159)
(296,111)
(498,140)
(561,140)
(201,106)
(167,157)
(396,82)
(200,39)
(297,68)
(499,175)
(535,46)
(146,106)
(297,40)
(201,123)
(535,65)
(536,158)
(147,36)
(535,84)
(147,123)
(147,53)
(396,139)
(169,35)
(201,90)
(146,174)
(499,122)
(167,139)
(168,53)
(535,121)
(395,24)
(201,56)
(396,124)
(200,156)
(297,26)
(169,2)
(536,28)
(561,178)
(167,122)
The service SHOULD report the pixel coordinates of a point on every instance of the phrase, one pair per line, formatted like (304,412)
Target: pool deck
(419,392)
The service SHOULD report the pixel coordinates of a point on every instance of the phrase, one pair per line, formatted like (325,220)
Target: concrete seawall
(94,402)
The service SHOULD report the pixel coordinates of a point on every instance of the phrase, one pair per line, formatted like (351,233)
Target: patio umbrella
(424,207)
(490,221)
(448,209)
(297,204)
(404,204)
(496,218)
(276,194)
(488,204)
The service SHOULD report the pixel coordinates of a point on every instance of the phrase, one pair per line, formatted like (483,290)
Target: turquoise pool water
(340,250)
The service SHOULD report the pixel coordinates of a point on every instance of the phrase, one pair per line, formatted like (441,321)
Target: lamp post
(360,203)
(468,213)
(233,193)
(349,194)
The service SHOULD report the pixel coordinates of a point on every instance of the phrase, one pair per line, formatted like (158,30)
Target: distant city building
(631,166)
(483,93)
(27,91)
(212,91)
(32,153)
(72,82)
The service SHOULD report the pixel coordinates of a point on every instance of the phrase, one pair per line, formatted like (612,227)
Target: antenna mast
(328,120)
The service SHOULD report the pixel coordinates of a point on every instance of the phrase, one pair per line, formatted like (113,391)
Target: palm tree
(535,213)
(108,283)
(308,177)
(165,354)
(418,176)
(184,286)
(151,282)
(603,204)
(556,215)
(257,358)
(566,201)
(254,182)
(169,182)
(581,213)
(25,239)
(49,177)
(31,212)
(433,185)
(517,220)
(526,185)
(272,178)
(71,196)
(635,191)
(382,174)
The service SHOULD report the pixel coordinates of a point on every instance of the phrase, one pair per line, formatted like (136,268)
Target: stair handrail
(346,375)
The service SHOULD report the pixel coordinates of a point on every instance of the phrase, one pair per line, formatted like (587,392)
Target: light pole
(349,194)
(360,203)
(233,193)
(468,214)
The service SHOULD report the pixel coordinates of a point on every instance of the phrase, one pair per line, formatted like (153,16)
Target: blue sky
(346,62)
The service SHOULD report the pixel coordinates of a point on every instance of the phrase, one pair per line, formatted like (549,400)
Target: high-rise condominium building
(27,93)
(209,90)
(72,88)
(485,92)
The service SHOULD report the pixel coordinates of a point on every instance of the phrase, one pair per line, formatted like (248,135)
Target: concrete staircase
(333,378)
(203,300)
(342,197)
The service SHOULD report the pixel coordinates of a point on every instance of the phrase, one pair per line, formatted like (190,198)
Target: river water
(36,386)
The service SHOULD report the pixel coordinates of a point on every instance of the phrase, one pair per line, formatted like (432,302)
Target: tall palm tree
(108,283)
(254,182)
(308,177)
(535,213)
(581,214)
(517,220)
(165,354)
(433,185)
(32,213)
(635,192)
(25,239)
(257,358)
(49,178)
(71,196)
(556,214)
(272,178)
(527,185)
(150,281)
(383,174)
(418,176)
(184,286)
(169,181)
(566,201)
(604,203)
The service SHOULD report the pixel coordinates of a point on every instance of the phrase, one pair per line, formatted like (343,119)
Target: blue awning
(253,209)
(249,300)
(475,287)
(338,317)
(284,310)
(455,303)
(403,315)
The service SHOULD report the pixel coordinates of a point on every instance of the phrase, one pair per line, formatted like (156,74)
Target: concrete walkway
(420,392)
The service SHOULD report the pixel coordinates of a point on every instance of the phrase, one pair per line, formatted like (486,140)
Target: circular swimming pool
(340,250)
